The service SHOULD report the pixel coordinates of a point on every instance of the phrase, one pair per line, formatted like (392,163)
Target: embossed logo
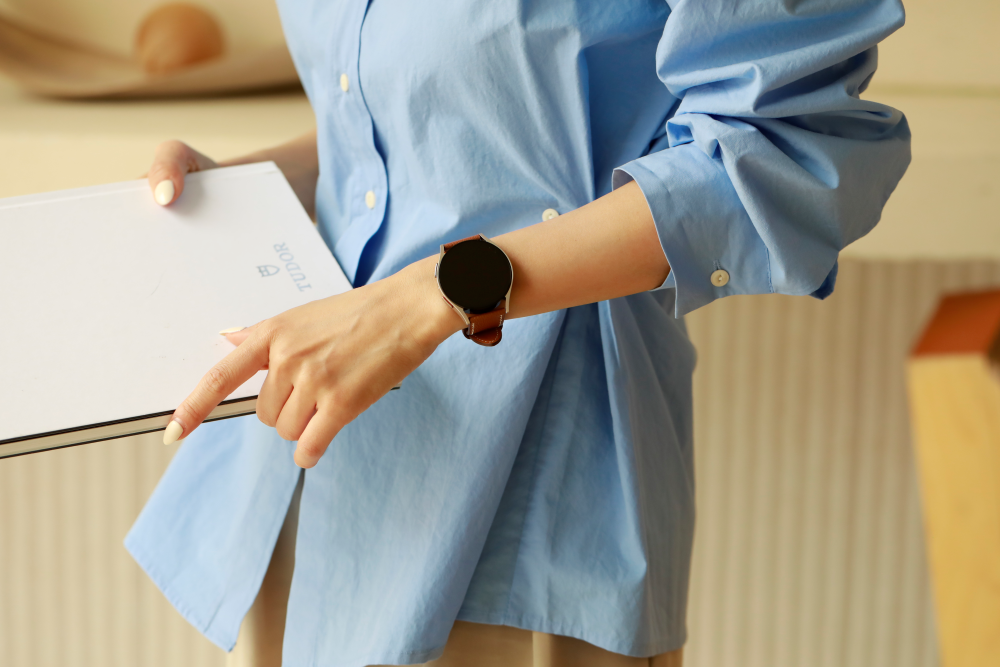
(267,270)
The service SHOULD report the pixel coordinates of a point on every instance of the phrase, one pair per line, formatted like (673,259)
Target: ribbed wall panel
(70,596)
(809,546)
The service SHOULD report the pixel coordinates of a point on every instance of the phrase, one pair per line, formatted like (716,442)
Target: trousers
(469,644)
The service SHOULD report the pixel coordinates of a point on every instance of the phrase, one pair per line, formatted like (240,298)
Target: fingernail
(229,331)
(164,192)
(174,430)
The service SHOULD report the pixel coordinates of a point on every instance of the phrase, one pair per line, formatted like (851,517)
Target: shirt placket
(367,187)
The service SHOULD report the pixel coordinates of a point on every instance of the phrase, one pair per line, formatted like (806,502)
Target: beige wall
(110,25)
(943,71)
(947,204)
(66,144)
(945,46)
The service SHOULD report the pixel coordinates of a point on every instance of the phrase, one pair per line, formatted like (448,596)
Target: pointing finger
(222,380)
(237,335)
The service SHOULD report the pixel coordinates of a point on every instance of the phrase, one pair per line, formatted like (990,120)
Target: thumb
(171,162)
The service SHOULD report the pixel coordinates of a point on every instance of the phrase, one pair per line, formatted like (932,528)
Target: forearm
(606,249)
(298,161)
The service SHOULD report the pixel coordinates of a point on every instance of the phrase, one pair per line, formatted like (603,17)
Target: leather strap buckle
(487,328)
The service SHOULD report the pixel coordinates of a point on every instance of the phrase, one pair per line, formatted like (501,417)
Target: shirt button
(720,278)
(344,83)
(549,213)
(370,200)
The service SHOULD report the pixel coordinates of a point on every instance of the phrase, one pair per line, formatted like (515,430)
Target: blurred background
(810,546)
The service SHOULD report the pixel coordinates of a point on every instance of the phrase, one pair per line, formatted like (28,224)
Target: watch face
(475,275)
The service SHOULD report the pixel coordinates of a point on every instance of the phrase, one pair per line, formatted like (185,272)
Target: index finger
(218,383)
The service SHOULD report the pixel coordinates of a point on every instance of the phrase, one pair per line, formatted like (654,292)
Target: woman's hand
(297,159)
(329,360)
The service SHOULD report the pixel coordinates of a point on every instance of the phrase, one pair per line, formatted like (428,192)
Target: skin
(330,359)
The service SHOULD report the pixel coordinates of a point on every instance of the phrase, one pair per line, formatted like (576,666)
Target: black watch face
(475,275)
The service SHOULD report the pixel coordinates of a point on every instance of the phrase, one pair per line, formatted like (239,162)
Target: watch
(475,277)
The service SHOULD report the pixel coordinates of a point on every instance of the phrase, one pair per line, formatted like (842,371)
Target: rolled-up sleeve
(772,163)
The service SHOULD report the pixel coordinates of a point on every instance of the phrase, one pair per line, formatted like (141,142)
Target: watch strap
(448,246)
(487,328)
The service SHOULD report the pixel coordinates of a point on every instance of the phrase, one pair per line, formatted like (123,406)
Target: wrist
(437,320)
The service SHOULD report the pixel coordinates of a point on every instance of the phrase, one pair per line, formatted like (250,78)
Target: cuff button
(720,278)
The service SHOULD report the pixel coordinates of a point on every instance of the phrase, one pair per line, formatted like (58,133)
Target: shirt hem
(541,624)
(176,600)
(522,622)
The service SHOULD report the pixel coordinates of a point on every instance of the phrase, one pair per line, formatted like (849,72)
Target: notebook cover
(111,305)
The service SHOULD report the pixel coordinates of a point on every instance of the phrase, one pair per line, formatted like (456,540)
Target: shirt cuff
(707,237)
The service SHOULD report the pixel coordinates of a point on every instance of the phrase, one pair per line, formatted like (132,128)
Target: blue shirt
(546,483)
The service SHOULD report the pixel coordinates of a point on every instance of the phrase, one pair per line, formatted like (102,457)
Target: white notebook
(110,305)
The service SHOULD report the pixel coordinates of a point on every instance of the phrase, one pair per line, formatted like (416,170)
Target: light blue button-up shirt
(546,483)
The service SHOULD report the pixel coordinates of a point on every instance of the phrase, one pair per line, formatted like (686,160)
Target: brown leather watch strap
(487,328)
(449,246)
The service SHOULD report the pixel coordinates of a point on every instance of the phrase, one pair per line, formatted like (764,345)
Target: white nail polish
(164,192)
(229,331)
(174,430)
